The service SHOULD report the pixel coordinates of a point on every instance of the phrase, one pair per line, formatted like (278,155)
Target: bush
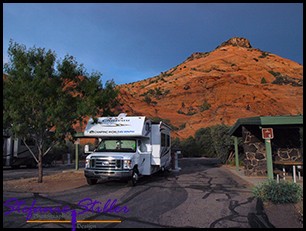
(204,142)
(182,126)
(221,141)
(190,148)
(278,193)
(212,142)
(263,55)
(275,74)
(263,80)
(205,106)
(147,99)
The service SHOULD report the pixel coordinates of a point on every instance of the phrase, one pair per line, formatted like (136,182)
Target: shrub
(221,141)
(263,80)
(204,142)
(274,73)
(182,126)
(191,111)
(147,99)
(190,148)
(278,193)
(156,92)
(209,142)
(263,55)
(205,106)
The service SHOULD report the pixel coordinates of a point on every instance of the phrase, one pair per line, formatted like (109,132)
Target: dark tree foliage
(213,142)
(190,147)
(44,99)
(204,141)
(222,141)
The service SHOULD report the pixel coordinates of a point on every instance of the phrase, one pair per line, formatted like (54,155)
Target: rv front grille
(105,164)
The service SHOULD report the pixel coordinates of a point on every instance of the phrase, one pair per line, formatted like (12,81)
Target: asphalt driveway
(201,195)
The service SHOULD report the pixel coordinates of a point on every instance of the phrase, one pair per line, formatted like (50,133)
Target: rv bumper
(99,174)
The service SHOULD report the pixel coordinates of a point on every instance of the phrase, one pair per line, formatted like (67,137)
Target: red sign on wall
(267,133)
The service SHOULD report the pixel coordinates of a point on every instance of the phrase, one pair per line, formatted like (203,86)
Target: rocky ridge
(218,87)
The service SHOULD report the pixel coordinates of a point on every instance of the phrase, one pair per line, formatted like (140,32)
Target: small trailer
(129,147)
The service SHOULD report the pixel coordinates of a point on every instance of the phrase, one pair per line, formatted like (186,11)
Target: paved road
(201,195)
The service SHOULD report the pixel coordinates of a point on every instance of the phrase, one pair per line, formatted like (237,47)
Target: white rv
(15,153)
(129,147)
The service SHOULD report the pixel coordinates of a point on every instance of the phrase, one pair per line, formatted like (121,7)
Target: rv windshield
(117,145)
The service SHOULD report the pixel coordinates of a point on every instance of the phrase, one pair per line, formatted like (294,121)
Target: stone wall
(288,154)
(255,162)
(287,146)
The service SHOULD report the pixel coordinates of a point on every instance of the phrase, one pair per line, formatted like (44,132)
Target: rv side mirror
(86,149)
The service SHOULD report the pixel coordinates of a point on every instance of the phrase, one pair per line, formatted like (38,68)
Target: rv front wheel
(134,178)
(91,181)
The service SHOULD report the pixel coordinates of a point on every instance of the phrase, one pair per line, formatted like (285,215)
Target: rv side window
(148,128)
(163,140)
(167,140)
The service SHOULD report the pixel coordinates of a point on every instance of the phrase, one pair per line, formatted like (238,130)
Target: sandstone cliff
(232,81)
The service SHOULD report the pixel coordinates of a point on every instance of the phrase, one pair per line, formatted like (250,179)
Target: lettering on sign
(267,133)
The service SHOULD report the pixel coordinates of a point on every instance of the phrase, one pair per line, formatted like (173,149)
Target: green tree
(204,142)
(221,141)
(176,143)
(263,80)
(190,147)
(45,101)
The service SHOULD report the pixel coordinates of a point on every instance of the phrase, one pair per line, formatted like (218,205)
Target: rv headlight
(127,164)
(87,165)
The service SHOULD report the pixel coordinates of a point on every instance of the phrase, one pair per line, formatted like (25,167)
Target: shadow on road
(187,165)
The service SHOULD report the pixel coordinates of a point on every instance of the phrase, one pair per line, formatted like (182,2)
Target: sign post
(236,153)
(77,142)
(267,135)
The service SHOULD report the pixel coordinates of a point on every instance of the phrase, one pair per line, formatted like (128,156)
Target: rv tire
(91,181)
(134,179)
(165,170)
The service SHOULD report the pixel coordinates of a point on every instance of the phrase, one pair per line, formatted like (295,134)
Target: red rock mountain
(232,81)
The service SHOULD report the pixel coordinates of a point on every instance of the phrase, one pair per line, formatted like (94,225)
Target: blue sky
(128,42)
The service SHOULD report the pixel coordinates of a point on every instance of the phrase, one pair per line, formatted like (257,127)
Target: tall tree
(221,141)
(43,99)
(204,141)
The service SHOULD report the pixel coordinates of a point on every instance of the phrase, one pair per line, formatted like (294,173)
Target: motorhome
(129,147)
(15,152)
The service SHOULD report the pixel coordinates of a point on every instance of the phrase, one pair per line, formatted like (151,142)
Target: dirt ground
(285,215)
(53,183)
